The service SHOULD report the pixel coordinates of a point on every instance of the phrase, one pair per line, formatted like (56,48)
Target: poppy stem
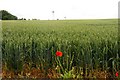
(59,63)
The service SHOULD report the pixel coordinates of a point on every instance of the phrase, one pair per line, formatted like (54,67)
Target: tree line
(5,15)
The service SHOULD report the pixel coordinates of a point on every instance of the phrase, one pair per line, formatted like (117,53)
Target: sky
(71,9)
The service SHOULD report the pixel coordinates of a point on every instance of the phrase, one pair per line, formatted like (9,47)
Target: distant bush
(22,19)
(34,19)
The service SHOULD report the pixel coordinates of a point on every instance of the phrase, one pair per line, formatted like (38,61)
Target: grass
(87,46)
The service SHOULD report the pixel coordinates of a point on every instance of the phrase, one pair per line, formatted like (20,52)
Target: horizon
(63,9)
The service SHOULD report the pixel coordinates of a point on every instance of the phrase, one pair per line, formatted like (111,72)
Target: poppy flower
(59,53)
(116,74)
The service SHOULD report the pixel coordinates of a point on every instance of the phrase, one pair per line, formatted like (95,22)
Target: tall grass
(86,44)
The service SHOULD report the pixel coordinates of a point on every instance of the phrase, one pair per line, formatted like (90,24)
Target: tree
(7,16)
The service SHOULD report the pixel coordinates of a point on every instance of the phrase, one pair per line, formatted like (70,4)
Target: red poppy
(59,53)
(116,74)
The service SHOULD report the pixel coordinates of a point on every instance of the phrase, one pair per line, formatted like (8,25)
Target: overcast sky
(71,9)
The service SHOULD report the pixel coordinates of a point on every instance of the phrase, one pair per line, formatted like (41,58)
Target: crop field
(60,49)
